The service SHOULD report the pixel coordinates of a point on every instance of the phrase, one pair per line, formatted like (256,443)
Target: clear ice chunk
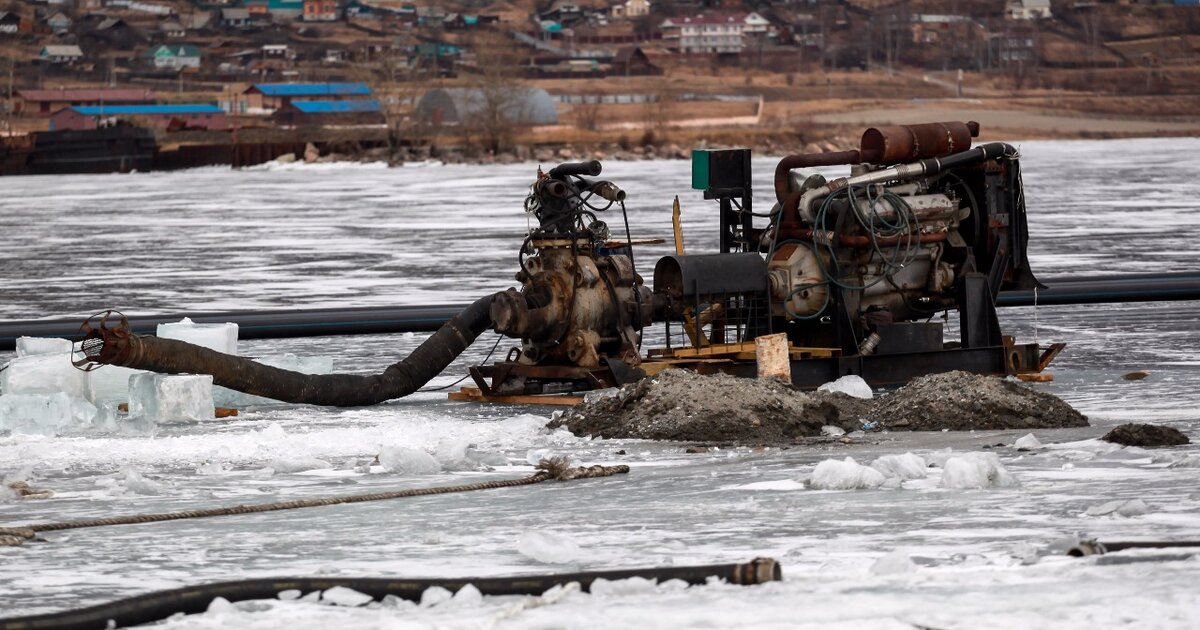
(47,414)
(44,374)
(29,346)
(170,398)
(219,337)
(110,384)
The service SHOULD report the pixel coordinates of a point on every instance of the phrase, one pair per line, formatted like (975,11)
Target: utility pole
(12,101)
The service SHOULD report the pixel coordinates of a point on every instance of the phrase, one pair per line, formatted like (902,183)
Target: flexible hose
(169,356)
(556,469)
(196,599)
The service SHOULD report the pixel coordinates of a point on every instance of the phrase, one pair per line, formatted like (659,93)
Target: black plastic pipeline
(196,599)
(168,356)
(1097,548)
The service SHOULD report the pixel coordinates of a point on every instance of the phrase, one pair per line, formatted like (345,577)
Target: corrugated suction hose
(196,599)
(117,346)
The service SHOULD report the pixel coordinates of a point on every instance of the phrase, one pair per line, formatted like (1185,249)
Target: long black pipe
(196,599)
(275,324)
(168,356)
(268,324)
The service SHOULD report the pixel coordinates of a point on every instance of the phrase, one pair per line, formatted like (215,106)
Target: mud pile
(1146,435)
(960,401)
(682,405)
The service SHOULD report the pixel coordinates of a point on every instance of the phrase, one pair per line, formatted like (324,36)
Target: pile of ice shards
(41,391)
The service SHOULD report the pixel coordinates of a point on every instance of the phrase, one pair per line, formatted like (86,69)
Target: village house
(281,52)
(268,97)
(630,9)
(60,54)
(174,56)
(632,61)
(1028,10)
(235,18)
(321,11)
(113,33)
(10,23)
(208,117)
(299,114)
(43,103)
(285,10)
(172,29)
(59,23)
(704,34)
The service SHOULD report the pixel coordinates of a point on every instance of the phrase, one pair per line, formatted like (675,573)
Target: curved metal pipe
(168,356)
(808,160)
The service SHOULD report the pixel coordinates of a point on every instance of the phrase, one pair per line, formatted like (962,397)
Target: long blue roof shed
(337,107)
(312,89)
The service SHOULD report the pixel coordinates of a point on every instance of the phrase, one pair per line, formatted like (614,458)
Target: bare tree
(588,112)
(498,95)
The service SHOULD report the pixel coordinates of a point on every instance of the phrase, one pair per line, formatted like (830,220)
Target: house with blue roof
(269,97)
(181,116)
(367,112)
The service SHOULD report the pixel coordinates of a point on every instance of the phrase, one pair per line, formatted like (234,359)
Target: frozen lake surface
(357,235)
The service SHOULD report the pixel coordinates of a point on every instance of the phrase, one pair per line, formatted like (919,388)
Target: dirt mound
(682,405)
(961,401)
(1146,435)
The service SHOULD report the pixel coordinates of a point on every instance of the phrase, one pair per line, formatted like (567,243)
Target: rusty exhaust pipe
(808,160)
(905,143)
(117,346)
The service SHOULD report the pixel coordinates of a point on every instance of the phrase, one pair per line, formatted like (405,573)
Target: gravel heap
(683,405)
(1146,435)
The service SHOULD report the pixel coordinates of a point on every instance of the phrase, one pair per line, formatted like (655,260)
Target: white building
(755,25)
(1028,9)
(721,34)
(630,9)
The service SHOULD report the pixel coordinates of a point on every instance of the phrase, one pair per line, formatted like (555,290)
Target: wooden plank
(471,394)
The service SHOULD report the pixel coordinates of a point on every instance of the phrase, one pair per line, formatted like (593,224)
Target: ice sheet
(372,236)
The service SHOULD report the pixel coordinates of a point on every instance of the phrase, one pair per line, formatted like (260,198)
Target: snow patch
(847,474)
(548,547)
(1120,507)
(974,471)
(408,461)
(850,385)
(905,467)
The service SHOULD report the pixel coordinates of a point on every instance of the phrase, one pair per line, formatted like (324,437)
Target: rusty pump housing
(581,304)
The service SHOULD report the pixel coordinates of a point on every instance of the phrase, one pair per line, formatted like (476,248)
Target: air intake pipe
(117,346)
(900,172)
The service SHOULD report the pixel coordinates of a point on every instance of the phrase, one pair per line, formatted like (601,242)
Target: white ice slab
(219,337)
(44,374)
(29,346)
(170,398)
